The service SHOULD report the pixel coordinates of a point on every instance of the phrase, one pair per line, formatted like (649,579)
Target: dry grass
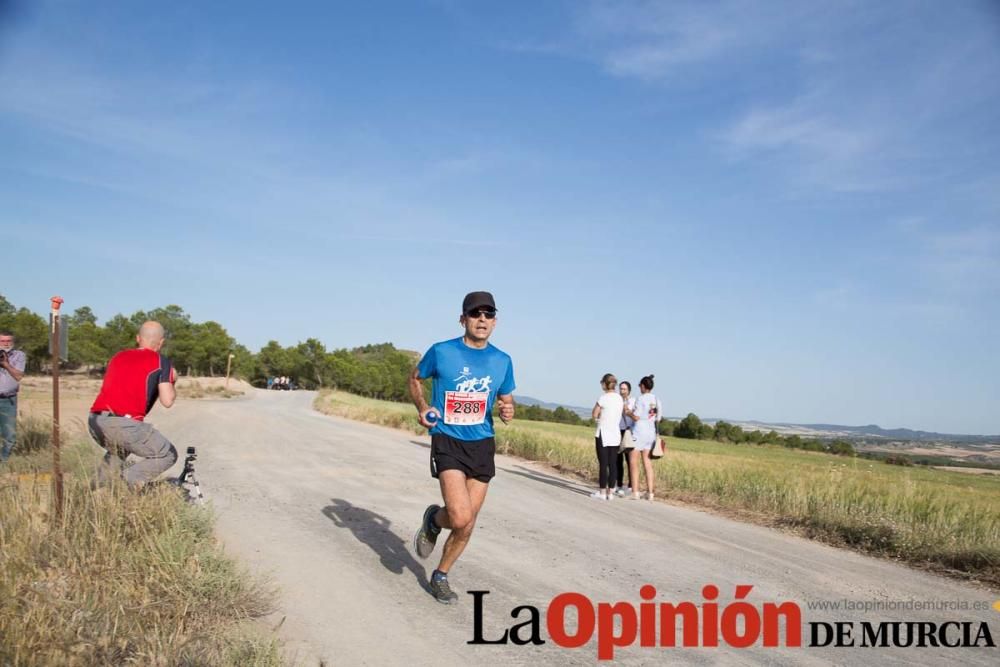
(190,388)
(945,521)
(124,579)
(34,434)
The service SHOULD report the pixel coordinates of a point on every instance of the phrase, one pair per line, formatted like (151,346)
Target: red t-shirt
(131,383)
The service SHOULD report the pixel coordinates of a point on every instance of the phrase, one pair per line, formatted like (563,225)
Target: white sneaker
(620,491)
(598,495)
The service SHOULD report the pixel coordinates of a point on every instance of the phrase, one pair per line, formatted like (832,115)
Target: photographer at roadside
(11,371)
(135,379)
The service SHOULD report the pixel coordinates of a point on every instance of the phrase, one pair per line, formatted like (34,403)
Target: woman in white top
(623,459)
(646,414)
(607,412)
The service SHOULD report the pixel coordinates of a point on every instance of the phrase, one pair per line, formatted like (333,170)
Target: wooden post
(57,479)
(229,366)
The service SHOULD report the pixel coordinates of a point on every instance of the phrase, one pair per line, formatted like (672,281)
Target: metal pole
(57,479)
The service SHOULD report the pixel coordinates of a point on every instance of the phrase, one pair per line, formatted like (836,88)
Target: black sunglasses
(474,314)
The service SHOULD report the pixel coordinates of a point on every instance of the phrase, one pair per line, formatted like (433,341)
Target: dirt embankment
(77,394)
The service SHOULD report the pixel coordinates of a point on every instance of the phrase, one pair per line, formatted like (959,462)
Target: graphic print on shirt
(466,405)
(467,383)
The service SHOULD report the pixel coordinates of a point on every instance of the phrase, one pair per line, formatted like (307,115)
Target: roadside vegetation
(945,521)
(191,388)
(124,578)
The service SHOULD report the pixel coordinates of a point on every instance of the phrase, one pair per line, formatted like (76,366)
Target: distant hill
(871,431)
(528,400)
(875,431)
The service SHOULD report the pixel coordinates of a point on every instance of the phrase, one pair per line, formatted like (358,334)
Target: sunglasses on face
(475,314)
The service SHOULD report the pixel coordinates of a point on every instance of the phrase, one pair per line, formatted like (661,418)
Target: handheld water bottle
(432,418)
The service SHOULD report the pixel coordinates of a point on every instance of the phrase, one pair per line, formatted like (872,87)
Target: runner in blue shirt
(469,377)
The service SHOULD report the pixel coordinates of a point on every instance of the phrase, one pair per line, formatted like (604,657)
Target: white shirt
(626,421)
(607,423)
(8,385)
(645,424)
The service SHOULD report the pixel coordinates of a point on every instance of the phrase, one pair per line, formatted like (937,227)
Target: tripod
(188,481)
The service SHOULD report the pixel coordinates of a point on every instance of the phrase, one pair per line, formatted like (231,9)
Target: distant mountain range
(875,431)
(528,400)
(812,430)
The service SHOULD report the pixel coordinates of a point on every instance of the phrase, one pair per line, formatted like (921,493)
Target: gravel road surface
(327,508)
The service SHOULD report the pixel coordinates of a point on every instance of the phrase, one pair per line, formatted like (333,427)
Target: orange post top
(56,302)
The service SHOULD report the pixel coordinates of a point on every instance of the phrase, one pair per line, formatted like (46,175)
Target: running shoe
(425,537)
(598,495)
(442,591)
(620,491)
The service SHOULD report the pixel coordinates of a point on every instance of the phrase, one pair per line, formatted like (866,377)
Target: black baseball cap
(474,300)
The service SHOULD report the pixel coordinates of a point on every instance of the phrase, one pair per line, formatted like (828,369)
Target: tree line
(691,427)
(376,371)
(203,349)
(196,348)
(559,415)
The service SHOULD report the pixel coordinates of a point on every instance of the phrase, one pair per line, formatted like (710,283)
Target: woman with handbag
(645,413)
(607,413)
(627,441)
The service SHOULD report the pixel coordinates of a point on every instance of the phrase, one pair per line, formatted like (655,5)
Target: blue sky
(787,211)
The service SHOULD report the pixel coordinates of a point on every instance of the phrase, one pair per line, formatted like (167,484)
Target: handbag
(658,449)
(627,441)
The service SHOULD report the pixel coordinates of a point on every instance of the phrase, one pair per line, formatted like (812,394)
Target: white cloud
(953,266)
(966,260)
(844,97)
(655,40)
(839,296)
(826,150)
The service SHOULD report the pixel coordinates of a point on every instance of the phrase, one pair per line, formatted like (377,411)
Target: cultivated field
(938,519)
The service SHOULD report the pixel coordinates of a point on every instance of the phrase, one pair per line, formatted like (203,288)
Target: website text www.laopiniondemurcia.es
(707,624)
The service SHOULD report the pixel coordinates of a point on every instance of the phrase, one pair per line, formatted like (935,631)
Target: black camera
(188,470)
(3,355)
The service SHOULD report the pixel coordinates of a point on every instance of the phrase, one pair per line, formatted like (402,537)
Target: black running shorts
(472,457)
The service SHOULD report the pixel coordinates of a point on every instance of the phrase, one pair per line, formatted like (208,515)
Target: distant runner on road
(469,376)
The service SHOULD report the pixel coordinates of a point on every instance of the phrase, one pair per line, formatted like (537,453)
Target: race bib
(465,408)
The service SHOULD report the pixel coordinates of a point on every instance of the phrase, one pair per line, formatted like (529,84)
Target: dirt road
(327,507)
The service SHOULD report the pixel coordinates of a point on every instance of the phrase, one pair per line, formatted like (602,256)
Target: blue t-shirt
(467,382)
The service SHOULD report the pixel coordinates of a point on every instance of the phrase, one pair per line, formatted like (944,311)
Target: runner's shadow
(425,445)
(374,530)
(547,479)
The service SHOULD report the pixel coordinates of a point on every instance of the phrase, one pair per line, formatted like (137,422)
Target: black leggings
(622,461)
(607,463)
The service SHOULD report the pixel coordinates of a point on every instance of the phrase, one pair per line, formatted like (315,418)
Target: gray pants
(122,436)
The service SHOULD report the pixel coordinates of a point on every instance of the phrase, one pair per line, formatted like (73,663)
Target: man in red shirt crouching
(133,382)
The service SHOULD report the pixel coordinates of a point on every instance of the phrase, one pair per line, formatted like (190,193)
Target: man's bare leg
(463,498)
